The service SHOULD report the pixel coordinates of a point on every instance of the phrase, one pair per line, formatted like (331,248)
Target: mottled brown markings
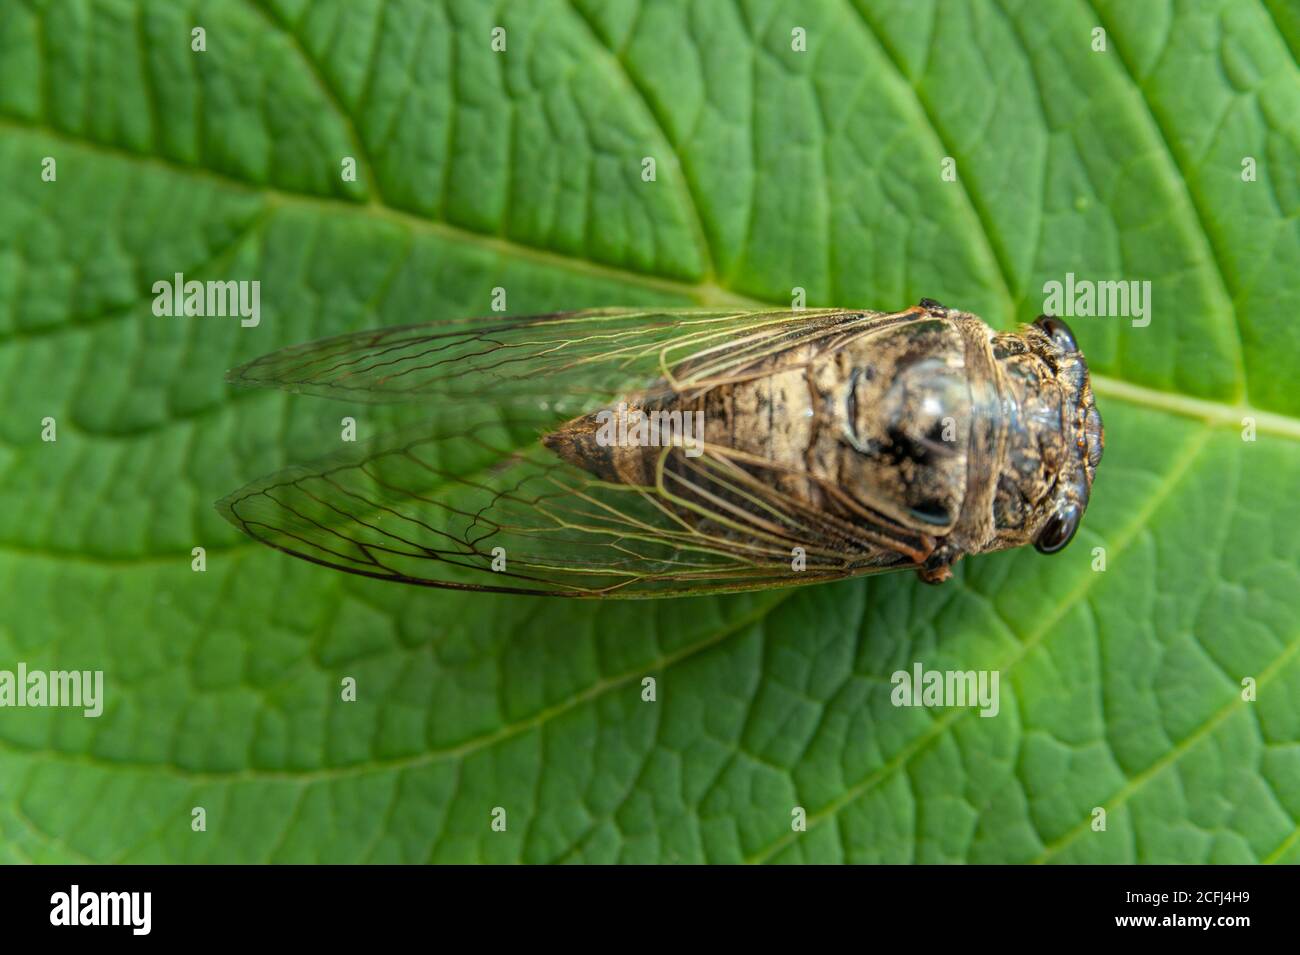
(905,491)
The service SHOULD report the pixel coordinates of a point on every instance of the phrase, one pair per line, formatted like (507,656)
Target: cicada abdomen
(715,451)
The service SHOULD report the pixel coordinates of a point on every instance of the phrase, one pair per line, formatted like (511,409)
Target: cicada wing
(579,357)
(466,511)
(756,496)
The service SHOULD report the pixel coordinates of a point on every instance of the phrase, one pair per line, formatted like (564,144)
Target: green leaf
(775,169)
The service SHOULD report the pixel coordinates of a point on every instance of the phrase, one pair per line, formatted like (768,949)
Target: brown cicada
(621,453)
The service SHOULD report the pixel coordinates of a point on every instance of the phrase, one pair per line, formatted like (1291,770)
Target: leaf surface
(522,170)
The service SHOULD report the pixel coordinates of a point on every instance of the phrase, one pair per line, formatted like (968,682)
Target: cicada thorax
(908,406)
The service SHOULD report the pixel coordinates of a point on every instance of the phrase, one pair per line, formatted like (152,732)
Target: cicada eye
(1059,530)
(1058,331)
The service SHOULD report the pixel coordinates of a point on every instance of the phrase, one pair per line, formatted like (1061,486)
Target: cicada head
(1055,438)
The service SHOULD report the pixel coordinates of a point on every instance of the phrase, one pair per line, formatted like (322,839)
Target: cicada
(624,453)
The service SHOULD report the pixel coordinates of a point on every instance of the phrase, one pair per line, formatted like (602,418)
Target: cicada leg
(938,566)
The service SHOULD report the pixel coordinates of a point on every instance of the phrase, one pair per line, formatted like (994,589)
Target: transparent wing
(578,356)
(469,511)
